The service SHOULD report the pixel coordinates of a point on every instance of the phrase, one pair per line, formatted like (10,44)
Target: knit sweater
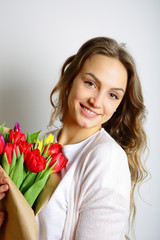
(92,200)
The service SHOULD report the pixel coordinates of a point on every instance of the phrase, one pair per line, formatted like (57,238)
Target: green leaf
(13,161)
(18,172)
(49,170)
(44,141)
(36,143)
(2,128)
(44,144)
(33,192)
(32,138)
(18,152)
(45,153)
(12,172)
(24,173)
(28,182)
(28,138)
(5,163)
(5,135)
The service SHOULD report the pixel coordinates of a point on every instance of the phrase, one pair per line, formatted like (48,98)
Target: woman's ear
(68,89)
(67,92)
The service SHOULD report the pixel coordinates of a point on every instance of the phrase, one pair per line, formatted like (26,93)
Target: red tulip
(35,162)
(8,149)
(61,162)
(16,137)
(25,148)
(53,148)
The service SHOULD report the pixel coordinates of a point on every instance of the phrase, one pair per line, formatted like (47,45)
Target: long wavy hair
(126,124)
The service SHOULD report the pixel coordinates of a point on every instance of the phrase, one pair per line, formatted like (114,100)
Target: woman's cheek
(109,109)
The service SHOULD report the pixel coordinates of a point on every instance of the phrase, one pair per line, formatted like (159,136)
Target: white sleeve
(106,197)
(105,218)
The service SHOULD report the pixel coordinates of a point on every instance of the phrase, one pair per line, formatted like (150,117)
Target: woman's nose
(96,101)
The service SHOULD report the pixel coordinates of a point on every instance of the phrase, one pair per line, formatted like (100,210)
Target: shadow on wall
(22,102)
(13,103)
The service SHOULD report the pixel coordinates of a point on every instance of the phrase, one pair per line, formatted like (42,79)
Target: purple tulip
(17,127)
(2,143)
(33,145)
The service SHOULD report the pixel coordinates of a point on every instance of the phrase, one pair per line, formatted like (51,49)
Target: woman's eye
(113,95)
(90,83)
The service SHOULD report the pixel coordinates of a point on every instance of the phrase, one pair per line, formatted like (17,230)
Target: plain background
(36,37)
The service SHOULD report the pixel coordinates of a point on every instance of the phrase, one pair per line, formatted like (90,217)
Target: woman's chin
(86,124)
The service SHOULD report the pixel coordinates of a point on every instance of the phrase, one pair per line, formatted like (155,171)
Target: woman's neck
(72,134)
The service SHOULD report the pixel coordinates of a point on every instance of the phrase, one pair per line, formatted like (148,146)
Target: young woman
(100,106)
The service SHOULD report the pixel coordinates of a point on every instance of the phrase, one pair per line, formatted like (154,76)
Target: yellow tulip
(40,145)
(50,139)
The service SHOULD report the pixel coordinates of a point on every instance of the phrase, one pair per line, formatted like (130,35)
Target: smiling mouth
(89,111)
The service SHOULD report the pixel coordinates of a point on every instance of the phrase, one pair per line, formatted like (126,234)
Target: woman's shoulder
(108,163)
(108,152)
(105,145)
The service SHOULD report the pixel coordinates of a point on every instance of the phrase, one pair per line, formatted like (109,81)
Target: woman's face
(96,92)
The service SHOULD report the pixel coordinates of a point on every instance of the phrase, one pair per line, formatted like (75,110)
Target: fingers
(3,186)
(2,218)
(3,189)
(4,180)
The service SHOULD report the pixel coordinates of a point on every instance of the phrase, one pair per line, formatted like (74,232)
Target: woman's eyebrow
(118,89)
(96,79)
(93,76)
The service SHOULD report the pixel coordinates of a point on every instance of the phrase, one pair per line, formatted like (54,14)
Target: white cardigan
(93,198)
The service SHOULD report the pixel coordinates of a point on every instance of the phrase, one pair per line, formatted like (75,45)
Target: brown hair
(126,124)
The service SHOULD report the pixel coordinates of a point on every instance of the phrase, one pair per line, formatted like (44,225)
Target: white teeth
(87,110)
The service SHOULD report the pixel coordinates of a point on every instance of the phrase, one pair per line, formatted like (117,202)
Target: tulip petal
(40,175)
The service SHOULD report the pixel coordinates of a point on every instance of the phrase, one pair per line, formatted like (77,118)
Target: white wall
(37,36)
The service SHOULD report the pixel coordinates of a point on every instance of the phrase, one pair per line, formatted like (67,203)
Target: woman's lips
(88,112)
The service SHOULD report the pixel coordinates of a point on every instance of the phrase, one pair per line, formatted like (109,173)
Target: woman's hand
(3,188)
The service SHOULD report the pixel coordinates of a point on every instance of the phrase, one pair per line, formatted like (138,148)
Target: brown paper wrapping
(20,223)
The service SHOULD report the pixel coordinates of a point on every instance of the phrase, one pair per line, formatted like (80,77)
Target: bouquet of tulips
(29,161)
